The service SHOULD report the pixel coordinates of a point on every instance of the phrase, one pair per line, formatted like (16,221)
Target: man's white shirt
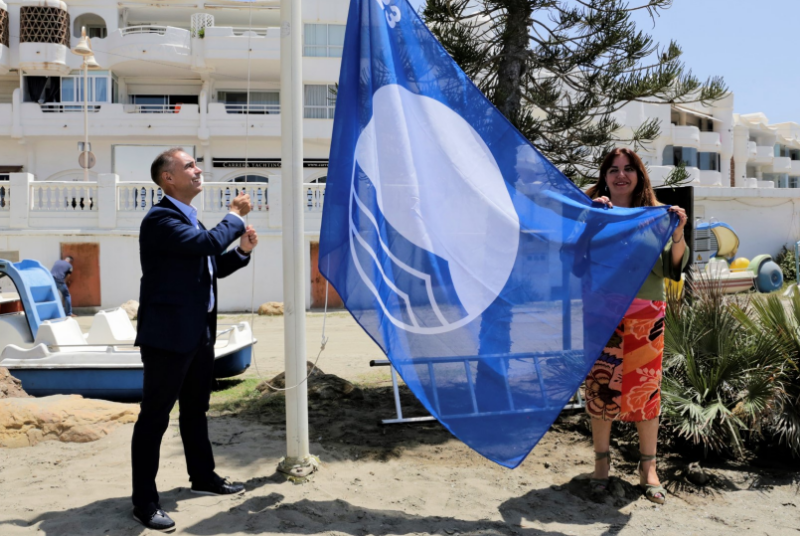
(190,212)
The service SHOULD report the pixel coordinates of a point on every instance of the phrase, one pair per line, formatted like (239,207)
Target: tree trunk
(513,53)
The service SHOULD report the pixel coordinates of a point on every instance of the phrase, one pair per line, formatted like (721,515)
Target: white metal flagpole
(298,462)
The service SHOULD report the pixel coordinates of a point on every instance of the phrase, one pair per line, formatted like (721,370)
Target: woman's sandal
(651,491)
(599,486)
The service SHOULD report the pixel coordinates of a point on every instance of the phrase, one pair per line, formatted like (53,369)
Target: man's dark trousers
(171,376)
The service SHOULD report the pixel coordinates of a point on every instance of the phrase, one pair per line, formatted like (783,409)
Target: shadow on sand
(262,511)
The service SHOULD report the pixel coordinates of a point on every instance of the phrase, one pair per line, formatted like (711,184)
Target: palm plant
(771,325)
(718,379)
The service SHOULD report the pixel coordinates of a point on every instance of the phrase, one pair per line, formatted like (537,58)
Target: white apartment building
(172,73)
(176,73)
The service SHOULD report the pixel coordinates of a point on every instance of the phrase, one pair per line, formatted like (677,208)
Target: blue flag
(491,281)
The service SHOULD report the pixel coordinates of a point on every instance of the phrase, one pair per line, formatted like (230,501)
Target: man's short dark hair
(162,163)
(69,258)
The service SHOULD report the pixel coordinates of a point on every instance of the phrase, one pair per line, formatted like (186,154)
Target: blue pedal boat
(50,354)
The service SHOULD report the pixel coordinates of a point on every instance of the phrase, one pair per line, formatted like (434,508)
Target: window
(323,40)
(793,182)
(261,102)
(320,101)
(97,88)
(708,161)
(318,180)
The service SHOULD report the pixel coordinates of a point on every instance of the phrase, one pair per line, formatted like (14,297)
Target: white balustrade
(315,196)
(137,196)
(54,196)
(218,195)
(5,197)
(145,29)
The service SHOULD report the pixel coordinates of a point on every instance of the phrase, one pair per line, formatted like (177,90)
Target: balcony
(685,136)
(43,38)
(795,168)
(127,50)
(781,164)
(659,174)
(710,142)
(710,178)
(752,150)
(106,119)
(764,154)
(110,204)
(232,120)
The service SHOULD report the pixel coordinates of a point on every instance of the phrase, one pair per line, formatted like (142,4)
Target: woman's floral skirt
(625,382)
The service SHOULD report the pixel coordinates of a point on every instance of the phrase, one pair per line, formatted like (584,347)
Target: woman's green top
(653,288)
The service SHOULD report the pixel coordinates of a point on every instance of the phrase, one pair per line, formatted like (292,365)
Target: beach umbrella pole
(298,463)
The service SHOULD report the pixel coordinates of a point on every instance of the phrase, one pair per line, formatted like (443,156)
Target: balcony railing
(253,108)
(217,196)
(52,107)
(5,197)
(315,196)
(152,108)
(54,196)
(145,29)
(260,32)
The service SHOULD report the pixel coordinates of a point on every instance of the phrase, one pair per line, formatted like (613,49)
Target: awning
(690,111)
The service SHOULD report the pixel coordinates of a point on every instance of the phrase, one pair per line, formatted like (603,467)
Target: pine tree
(560,69)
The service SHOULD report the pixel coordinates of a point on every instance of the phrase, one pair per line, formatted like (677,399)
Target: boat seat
(14,329)
(62,331)
(12,351)
(112,326)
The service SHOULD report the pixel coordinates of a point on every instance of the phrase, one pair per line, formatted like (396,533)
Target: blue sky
(751,43)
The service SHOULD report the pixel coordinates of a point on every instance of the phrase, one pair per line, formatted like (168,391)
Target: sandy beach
(407,479)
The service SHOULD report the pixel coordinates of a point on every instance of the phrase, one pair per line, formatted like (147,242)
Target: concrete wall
(764,219)
(120,270)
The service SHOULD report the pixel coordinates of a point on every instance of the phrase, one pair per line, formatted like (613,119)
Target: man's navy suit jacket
(174,294)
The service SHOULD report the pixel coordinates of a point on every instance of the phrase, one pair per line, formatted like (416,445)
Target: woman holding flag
(625,382)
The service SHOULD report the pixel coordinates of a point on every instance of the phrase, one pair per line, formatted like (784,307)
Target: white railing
(260,32)
(253,108)
(151,108)
(217,196)
(50,108)
(63,196)
(315,197)
(137,196)
(5,197)
(146,29)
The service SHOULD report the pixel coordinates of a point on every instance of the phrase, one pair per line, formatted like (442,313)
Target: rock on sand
(70,418)
(271,308)
(10,387)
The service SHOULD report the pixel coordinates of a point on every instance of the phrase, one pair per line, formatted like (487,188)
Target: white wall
(120,270)
(764,221)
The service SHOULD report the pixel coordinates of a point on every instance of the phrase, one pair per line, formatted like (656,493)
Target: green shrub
(786,261)
(718,379)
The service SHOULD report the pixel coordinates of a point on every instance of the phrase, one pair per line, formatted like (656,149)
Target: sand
(377,480)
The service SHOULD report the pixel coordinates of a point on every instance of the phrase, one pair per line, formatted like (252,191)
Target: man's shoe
(156,519)
(221,487)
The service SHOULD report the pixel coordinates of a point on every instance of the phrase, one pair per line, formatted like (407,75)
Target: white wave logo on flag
(438,185)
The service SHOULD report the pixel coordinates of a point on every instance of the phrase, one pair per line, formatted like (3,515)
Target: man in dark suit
(177,322)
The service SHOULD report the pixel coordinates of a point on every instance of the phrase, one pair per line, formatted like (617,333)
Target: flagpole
(298,462)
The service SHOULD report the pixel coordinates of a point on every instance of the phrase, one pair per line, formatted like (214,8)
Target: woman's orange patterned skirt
(625,382)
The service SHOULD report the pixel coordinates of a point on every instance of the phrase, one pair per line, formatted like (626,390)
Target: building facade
(177,73)
(171,73)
